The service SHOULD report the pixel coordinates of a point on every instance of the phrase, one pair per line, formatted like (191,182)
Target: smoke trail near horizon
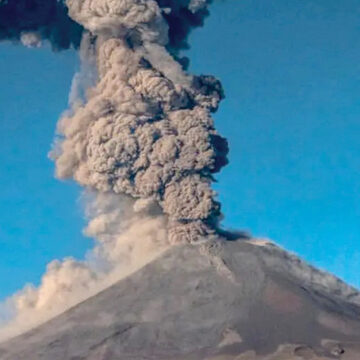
(126,240)
(139,135)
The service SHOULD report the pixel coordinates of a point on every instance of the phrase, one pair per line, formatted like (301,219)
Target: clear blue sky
(291,71)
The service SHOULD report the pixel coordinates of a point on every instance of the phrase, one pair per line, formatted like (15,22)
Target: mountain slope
(238,300)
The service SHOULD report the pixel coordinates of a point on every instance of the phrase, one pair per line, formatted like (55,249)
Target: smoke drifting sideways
(125,242)
(141,140)
(31,21)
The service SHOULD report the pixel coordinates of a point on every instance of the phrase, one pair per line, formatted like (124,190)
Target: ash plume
(145,129)
(138,136)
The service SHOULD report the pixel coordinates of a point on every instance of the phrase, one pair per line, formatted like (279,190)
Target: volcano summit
(164,281)
(241,300)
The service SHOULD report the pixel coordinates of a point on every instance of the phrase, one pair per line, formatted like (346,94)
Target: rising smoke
(140,138)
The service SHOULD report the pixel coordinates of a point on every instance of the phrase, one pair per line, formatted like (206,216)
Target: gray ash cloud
(145,129)
(139,137)
(42,19)
(29,20)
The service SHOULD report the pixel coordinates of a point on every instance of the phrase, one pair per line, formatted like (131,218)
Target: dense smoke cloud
(145,129)
(138,135)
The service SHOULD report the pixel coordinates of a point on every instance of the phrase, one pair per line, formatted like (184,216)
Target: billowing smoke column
(145,129)
(139,138)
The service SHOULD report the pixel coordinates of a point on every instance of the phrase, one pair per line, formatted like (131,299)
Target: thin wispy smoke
(86,77)
(138,135)
(127,239)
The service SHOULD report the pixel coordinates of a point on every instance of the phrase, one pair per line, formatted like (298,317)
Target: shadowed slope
(236,300)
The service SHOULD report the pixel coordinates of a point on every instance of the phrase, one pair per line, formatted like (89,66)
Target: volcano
(219,300)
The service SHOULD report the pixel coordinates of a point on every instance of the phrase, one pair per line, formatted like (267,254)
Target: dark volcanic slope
(217,301)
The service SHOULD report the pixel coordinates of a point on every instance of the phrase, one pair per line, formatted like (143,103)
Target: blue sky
(40,218)
(291,72)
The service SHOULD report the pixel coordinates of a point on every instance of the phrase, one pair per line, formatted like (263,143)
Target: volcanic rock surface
(241,300)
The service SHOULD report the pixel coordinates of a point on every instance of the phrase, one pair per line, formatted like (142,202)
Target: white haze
(126,241)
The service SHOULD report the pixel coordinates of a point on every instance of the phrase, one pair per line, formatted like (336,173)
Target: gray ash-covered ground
(240,300)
